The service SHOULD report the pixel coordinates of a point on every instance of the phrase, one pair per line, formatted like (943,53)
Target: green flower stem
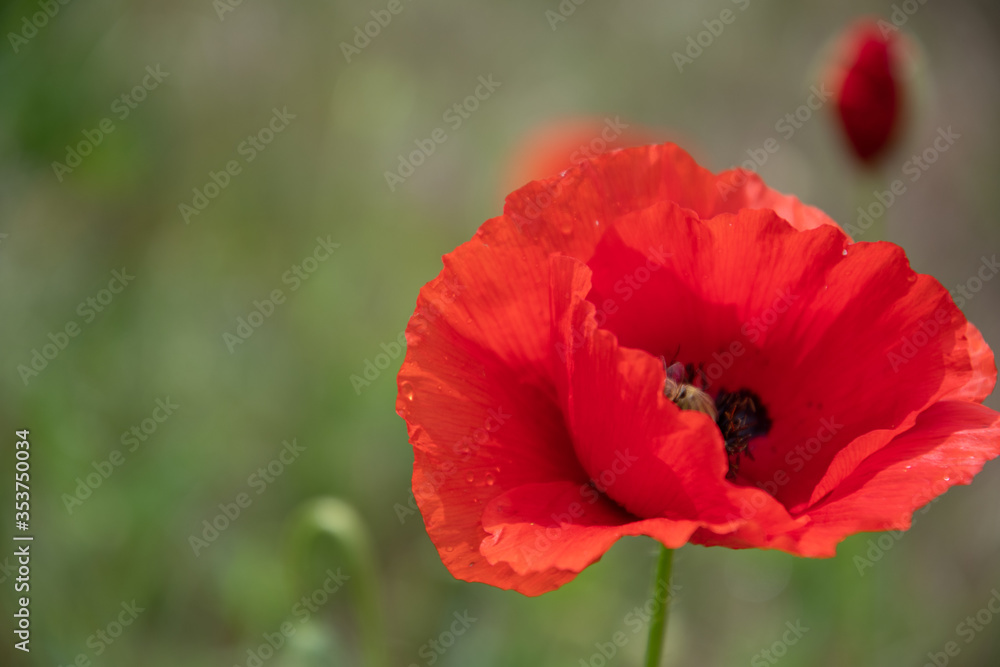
(339,522)
(658,623)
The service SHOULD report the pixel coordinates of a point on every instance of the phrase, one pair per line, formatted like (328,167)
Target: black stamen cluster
(742,417)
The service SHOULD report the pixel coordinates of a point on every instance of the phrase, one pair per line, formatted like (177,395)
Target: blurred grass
(323,175)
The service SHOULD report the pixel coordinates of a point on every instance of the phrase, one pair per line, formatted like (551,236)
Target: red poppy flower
(549,362)
(866,81)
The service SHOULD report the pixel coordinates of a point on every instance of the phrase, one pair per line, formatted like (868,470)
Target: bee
(687,396)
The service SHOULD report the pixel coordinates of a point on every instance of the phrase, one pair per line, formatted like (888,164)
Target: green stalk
(339,522)
(658,623)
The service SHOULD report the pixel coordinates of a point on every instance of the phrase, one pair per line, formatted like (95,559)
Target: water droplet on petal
(469,477)
(407,390)
(490,479)
(845,252)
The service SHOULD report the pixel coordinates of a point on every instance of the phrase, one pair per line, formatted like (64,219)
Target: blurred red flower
(866,80)
(558,144)
(842,388)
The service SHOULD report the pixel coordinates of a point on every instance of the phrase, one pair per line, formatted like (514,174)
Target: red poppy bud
(866,81)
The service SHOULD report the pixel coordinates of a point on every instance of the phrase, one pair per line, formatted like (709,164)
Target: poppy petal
(481,415)
(799,310)
(563,526)
(652,458)
(949,445)
(569,213)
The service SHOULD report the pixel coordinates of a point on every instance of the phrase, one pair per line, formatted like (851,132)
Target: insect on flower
(687,396)
(740,415)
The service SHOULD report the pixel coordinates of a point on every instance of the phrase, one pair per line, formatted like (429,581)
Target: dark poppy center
(741,418)
(740,415)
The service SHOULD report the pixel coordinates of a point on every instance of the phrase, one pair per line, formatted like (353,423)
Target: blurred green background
(225,69)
